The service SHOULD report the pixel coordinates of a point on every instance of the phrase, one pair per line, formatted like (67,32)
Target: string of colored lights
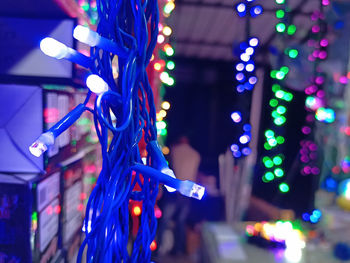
(163,64)
(89,7)
(315,101)
(246,78)
(274,139)
(124,113)
(336,162)
(285,235)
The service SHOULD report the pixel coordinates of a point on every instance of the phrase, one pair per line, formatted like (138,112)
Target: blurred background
(252,102)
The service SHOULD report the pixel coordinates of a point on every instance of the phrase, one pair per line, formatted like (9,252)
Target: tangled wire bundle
(124,113)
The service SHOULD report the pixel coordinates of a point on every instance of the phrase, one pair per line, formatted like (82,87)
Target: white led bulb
(96,84)
(85,35)
(42,143)
(53,48)
(191,189)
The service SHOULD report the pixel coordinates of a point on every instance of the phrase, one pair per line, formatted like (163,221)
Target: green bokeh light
(275,114)
(284,188)
(279,94)
(272,142)
(291,30)
(170,65)
(269,133)
(280,27)
(276,87)
(281,109)
(293,53)
(269,176)
(285,70)
(273,102)
(273,73)
(280,75)
(278,172)
(277,160)
(268,164)
(288,96)
(280,13)
(266,158)
(280,139)
(280,120)
(267,146)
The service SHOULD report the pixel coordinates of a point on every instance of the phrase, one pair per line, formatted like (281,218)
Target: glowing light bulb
(245,57)
(165,150)
(236,116)
(253,80)
(244,139)
(241,8)
(169,7)
(256,10)
(42,144)
(325,115)
(160,125)
(253,42)
(288,96)
(293,53)
(157,66)
(164,76)
(239,66)
(278,172)
(280,27)
(277,160)
(85,35)
(170,81)
(249,51)
(280,13)
(291,29)
(167,31)
(234,148)
(269,134)
(162,113)
(269,176)
(268,164)
(249,67)
(280,75)
(153,245)
(273,102)
(160,39)
(279,94)
(272,142)
(165,105)
(284,188)
(53,48)
(240,76)
(137,210)
(281,109)
(246,151)
(170,65)
(96,84)
(169,51)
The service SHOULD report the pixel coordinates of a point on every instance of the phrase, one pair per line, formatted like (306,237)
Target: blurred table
(223,243)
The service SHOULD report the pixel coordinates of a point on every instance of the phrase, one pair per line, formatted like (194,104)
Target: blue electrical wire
(124,113)
(133,26)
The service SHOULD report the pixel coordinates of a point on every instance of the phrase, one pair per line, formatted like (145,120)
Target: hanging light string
(246,77)
(124,114)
